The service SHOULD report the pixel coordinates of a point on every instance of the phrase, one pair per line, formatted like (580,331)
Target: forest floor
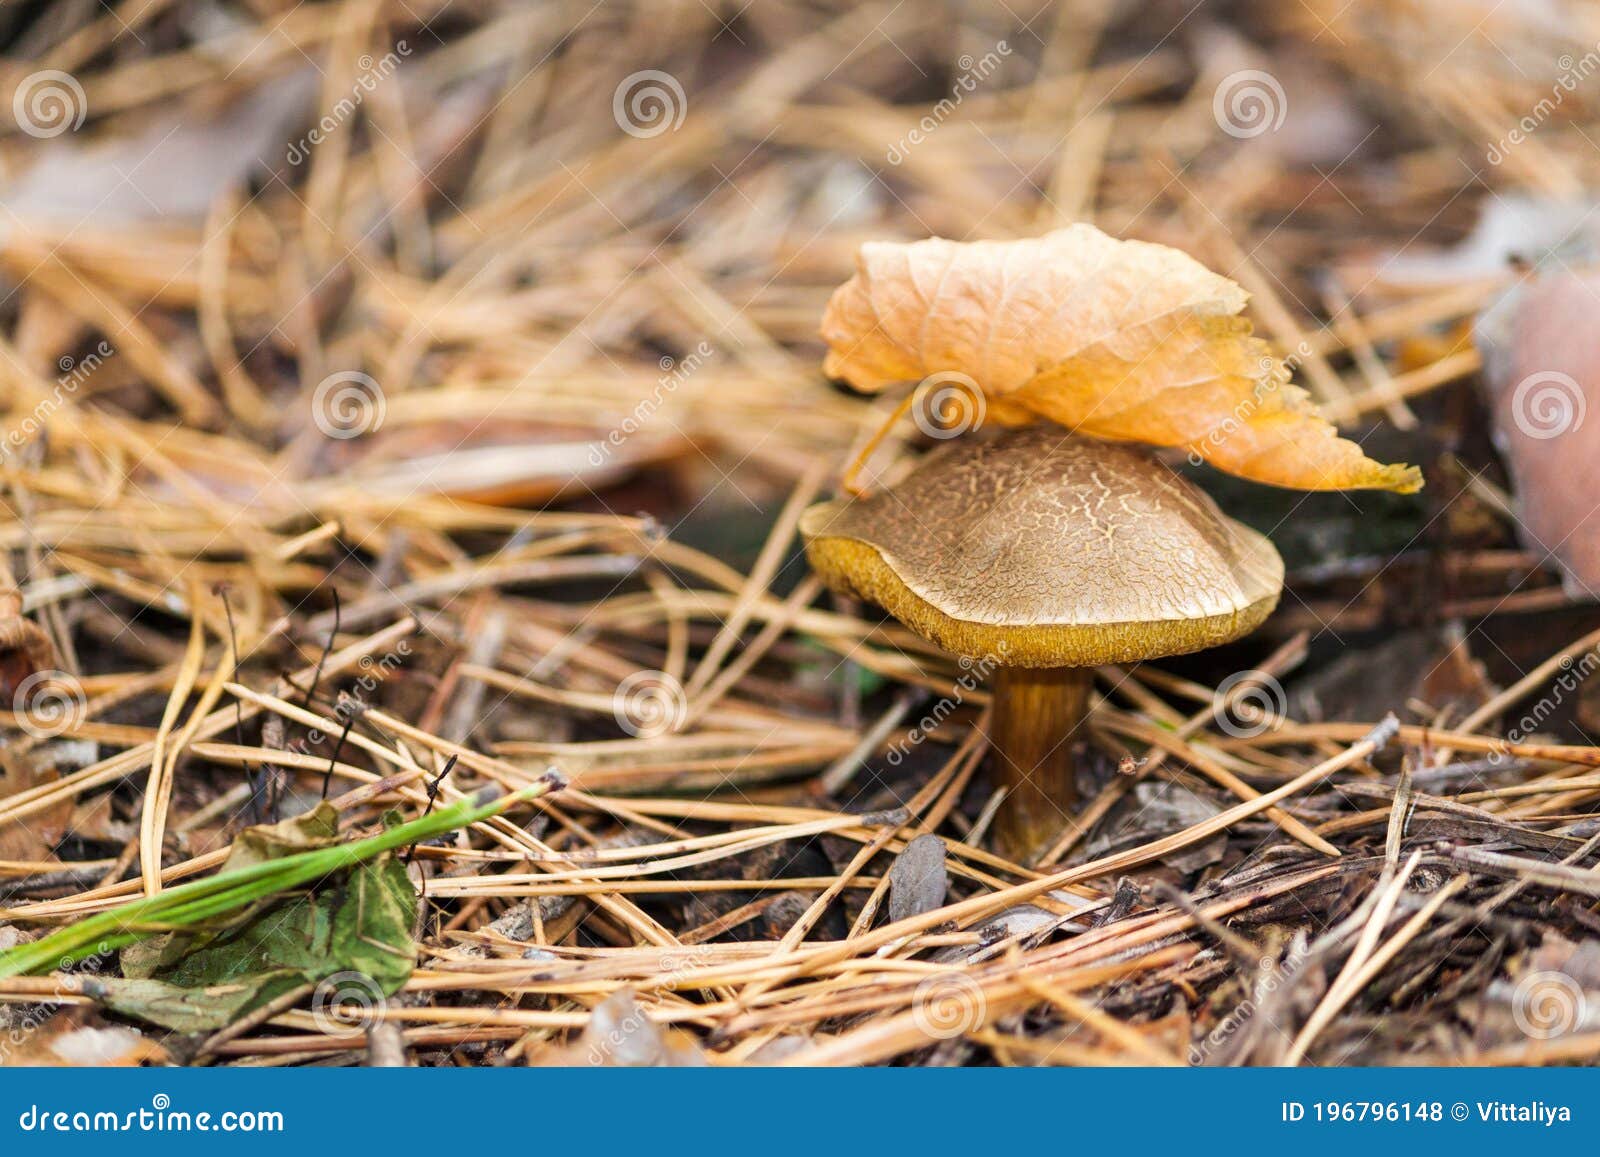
(458,431)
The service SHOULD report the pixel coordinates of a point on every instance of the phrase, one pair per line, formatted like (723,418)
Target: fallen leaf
(74,1038)
(1019,921)
(918,878)
(317,828)
(620,1034)
(184,1009)
(506,462)
(356,924)
(1512,229)
(36,839)
(1122,340)
(1541,372)
(172,171)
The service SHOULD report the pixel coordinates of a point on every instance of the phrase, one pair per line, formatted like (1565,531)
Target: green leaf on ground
(358,921)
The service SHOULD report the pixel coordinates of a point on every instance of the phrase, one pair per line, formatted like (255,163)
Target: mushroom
(1040,556)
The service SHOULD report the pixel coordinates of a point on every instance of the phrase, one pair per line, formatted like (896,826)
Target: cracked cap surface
(1039,549)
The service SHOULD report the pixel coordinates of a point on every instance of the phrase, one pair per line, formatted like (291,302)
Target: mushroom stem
(1035,713)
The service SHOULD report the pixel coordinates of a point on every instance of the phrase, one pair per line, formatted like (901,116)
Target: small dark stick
(333,760)
(252,773)
(433,797)
(327,649)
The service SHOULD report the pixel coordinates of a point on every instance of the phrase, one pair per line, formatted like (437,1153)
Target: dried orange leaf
(1122,340)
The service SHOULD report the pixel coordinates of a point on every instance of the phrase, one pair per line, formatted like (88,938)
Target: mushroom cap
(1039,549)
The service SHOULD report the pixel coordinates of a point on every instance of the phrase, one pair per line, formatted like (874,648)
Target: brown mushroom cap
(1040,549)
